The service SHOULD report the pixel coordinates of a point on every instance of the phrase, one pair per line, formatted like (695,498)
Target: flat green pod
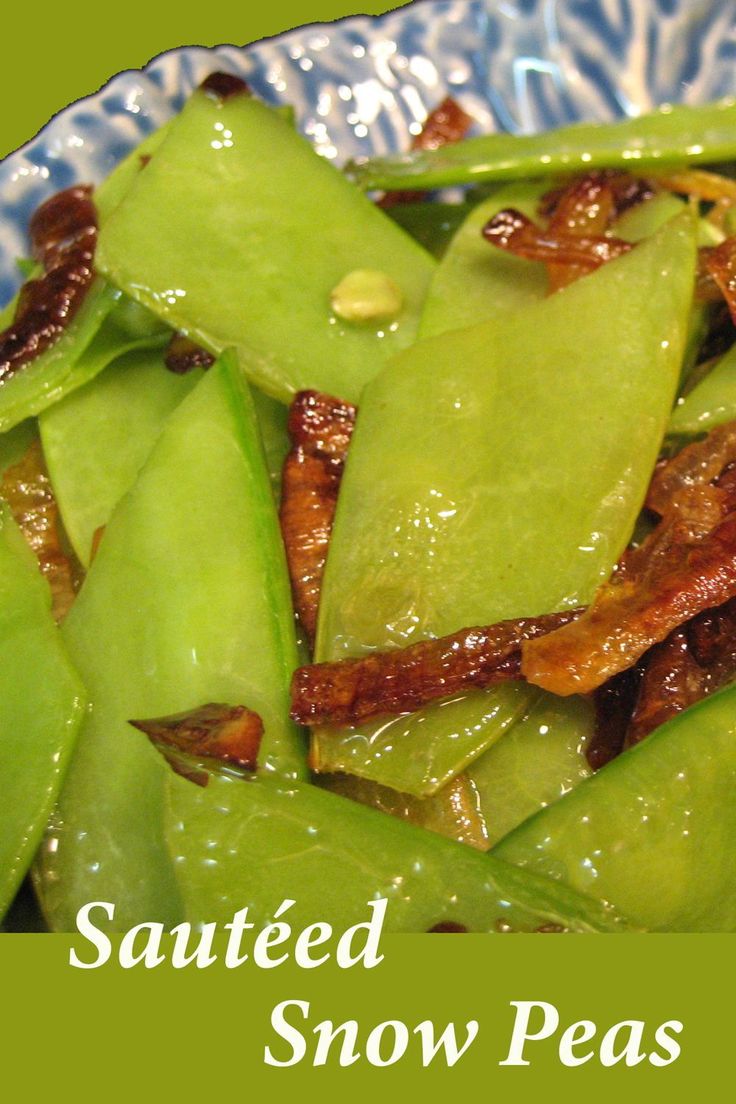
(96,440)
(475,280)
(15,443)
(672,136)
(237,233)
(652,832)
(63,366)
(497,472)
(535,764)
(710,403)
(42,705)
(186,602)
(255,843)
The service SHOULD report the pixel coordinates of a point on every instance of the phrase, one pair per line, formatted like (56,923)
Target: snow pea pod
(710,403)
(60,368)
(474,281)
(42,704)
(238,232)
(654,831)
(672,136)
(255,843)
(186,602)
(115,187)
(645,219)
(433,225)
(537,762)
(497,472)
(96,440)
(15,443)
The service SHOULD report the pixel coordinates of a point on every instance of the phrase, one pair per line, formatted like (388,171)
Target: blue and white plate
(364,85)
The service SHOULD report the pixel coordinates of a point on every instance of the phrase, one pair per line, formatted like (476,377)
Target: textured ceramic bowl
(364,85)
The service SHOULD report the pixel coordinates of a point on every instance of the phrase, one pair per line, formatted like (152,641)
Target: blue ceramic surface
(364,85)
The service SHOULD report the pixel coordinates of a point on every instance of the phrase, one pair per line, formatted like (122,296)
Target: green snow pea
(110,193)
(645,219)
(96,440)
(671,136)
(453,812)
(115,187)
(41,707)
(497,472)
(433,225)
(537,762)
(186,602)
(710,403)
(654,832)
(255,843)
(238,232)
(59,369)
(272,417)
(15,443)
(474,280)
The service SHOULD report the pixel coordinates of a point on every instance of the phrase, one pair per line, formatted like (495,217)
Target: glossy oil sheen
(237,232)
(186,602)
(96,440)
(535,764)
(475,280)
(41,707)
(653,832)
(497,472)
(454,812)
(331,856)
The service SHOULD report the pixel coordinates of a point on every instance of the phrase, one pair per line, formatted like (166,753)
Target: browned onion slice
(320,428)
(405,679)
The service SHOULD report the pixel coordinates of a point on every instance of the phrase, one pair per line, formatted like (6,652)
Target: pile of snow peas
(504,444)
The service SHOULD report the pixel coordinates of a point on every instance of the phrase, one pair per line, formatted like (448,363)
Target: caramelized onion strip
(63,238)
(226,734)
(694,661)
(26,488)
(720,265)
(686,565)
(514,232)
(320,428)
(405,679)
(583,209)
(445,124)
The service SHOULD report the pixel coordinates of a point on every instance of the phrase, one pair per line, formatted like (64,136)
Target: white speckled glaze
(362,85)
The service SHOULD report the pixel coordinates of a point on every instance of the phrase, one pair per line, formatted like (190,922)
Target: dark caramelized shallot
(320,428)
(445,124)
(26,488)
(694,661)
(514,232)
(63,238)
(720,265)
(183,355)
(223,86)
(627,191)
(229,734)
(686,565)
(614,704)
(405,679)
(583,209)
